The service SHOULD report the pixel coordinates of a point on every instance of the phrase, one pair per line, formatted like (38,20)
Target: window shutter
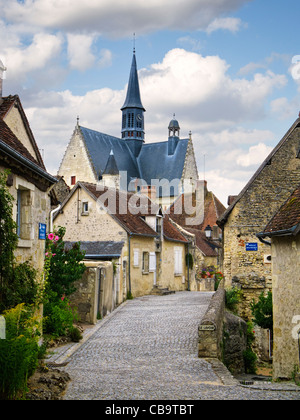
(152,262)
(177,261)
(136,258)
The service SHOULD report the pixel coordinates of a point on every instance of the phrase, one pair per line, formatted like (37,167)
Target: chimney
(2,70)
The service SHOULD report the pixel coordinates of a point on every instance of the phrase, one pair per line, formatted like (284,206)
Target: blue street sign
(252,246)
(42,231)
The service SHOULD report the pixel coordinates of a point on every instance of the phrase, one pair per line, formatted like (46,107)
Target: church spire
(133,130)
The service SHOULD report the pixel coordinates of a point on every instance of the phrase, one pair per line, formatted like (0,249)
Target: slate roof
(133,97)
(287,220)
(153,161)
(99,146)
(100,249)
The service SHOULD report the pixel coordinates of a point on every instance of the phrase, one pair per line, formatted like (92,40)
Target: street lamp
(208,232)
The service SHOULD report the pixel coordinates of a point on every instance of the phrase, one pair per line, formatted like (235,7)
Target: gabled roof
(222,220)
(111,166)
(129,210)
(287,220)
(12,147)
(6,105)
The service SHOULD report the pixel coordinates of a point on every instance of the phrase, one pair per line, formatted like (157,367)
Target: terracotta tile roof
(171,232)
(136,208)
(213,209)
(288,217)
(208,248)
(115,200)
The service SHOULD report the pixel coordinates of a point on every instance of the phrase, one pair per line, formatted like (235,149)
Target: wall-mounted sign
(207,328)
(252,246)
(42,231)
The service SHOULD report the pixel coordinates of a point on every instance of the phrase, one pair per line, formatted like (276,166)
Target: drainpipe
(129,262)
(188,258)
(51,216)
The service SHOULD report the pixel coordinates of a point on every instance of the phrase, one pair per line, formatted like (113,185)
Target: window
(85,208)
(135,257)
(24,213)
(73,180)
(145,262)
(177,261)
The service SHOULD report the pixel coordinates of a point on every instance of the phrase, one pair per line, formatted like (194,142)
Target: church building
(162,170)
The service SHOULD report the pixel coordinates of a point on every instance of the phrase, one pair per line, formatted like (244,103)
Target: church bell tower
(133,127)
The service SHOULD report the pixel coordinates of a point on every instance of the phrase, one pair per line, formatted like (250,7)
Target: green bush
(250,357)
(19,352)
(58,318)
(263,311)
(233,297)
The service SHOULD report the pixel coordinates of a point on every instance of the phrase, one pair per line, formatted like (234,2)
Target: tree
(65,265)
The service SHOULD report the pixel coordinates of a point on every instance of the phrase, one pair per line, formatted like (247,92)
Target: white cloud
(257,154)
(229,24)
(79,51)
(21,60)
(95,15)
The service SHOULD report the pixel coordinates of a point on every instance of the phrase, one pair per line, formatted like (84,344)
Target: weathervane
(134,43)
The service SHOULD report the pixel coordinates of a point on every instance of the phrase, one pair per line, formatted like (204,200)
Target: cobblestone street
(147,350)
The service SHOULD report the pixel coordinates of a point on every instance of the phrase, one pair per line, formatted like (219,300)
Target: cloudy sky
(229,69)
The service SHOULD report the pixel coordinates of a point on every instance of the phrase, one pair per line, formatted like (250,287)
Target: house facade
(153,250)
(28,182)
(283,234)
(247,262)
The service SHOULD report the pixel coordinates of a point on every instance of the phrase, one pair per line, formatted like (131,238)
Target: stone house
(153,250)
(207,251)
(166,168)
(29,182)
(284,232)
(246,261)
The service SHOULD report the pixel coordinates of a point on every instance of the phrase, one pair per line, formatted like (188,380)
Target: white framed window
(178,261)
(136,256)
(85,208)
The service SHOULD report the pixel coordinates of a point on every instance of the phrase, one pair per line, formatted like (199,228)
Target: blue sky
(224,67)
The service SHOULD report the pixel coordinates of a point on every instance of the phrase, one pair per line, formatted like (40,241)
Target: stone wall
(95,295)
(211,328)
(286,305)
(264,196)
(222,335)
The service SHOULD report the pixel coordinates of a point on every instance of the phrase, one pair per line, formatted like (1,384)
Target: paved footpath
(147,350)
